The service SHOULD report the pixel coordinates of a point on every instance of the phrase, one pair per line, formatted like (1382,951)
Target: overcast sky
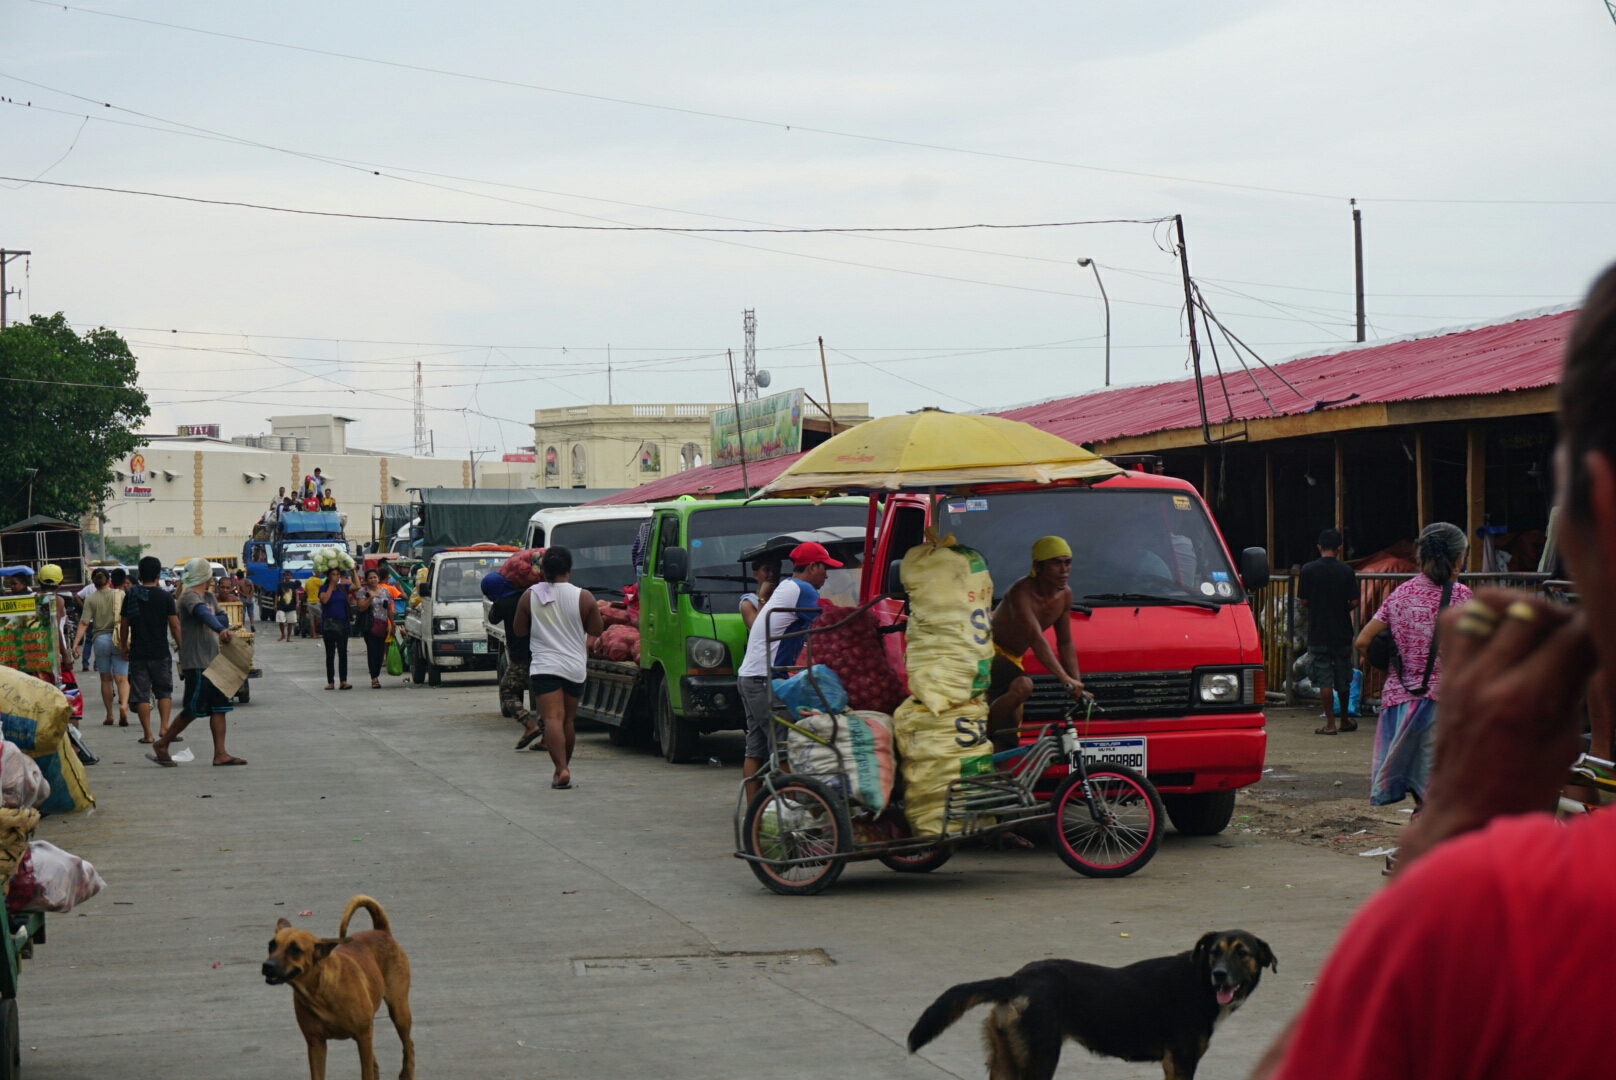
(1390,102)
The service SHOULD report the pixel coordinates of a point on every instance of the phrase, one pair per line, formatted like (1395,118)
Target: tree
(68,409)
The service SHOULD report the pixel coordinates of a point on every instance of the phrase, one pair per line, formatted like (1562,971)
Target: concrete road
(502,890)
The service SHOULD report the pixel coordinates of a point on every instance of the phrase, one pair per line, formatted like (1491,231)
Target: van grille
(1124,695)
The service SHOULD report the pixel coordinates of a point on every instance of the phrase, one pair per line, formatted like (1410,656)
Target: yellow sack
(948,640)
(936,749)
(34,715)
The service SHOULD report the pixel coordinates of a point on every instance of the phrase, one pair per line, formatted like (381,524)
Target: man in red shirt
(1475,961)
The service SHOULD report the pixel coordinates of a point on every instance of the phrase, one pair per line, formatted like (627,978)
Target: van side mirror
(1254,571)
(895,578)
(675,565)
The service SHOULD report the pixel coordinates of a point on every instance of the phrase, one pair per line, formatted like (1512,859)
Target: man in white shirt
(792,606)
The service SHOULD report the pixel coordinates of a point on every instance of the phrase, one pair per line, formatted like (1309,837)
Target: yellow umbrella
(936,449)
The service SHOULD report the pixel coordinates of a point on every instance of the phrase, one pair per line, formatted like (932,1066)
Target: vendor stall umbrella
(935,449)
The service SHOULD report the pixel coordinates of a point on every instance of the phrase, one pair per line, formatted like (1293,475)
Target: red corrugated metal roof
(1515,355)
(709,480)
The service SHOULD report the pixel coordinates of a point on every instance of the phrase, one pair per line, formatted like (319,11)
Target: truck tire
(417,665)
(10,1041)
(244,695)
(1206,814)
(677,737)
(434,674)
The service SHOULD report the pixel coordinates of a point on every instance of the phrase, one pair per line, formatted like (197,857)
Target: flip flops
(231,761)
(167,763)
(560,785)
(528,737)
(1326,731)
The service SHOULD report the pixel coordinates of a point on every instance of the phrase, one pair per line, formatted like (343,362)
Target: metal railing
(1282,618)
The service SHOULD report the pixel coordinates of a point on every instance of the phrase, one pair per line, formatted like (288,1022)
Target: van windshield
(1154,543)
(602,552)
(717,538)
(460,580)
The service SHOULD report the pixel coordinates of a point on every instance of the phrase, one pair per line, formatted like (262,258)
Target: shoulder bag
(1382,652)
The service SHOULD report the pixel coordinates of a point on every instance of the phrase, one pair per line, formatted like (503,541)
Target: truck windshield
(717,538)
(299,556)
(1145,543)
(602,553)
(460,580)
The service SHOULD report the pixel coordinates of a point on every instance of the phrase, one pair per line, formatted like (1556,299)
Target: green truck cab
(692,637)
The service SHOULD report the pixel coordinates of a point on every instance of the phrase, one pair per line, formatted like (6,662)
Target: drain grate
(738,963)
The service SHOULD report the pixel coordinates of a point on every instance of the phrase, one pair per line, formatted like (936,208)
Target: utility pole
(825,371)
(5,257)
(740,429)
(1107,301)
(1189,315)
(608,373)
(1357,260)
(420,414)
(749,386)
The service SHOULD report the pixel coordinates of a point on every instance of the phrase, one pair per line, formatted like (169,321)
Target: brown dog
(338,984)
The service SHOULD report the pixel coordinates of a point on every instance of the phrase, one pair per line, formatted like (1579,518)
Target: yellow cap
(50,574)
(1048,547)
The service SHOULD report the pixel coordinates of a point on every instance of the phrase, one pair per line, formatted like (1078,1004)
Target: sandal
(346,686)
(1349,725)
(1326,731)
(527,738)
(146,741)
(560,785)
(107,722)
(375,684)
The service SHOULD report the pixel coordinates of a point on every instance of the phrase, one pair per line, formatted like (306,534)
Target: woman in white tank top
(559,618)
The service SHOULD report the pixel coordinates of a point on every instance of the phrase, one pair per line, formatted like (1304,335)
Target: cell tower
(420,414)
(749,380)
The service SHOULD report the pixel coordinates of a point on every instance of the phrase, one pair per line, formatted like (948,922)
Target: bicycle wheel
(1128,832)
(800,819)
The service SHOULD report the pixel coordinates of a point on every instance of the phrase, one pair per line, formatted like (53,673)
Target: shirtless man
(1031,606)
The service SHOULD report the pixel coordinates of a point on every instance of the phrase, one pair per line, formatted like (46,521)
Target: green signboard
(769,427)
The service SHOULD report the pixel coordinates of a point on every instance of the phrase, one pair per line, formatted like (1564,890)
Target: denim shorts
(107,660)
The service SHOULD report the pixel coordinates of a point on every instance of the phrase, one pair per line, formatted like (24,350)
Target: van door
(660,629)
(903,525)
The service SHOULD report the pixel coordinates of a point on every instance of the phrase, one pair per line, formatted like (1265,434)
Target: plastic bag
(21,782)
(1354,697)
(395,657)
(949,640)
(798,695)
(936,749)
(51,879)
(34,715)
(522,568)
(864,739)
(854,651)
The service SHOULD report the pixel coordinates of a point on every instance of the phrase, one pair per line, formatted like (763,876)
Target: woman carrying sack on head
(375,606)
(1405,733)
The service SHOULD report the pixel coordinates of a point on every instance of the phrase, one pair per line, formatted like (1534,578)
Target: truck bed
(609,690)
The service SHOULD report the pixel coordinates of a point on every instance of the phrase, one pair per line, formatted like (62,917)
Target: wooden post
(1268,481)
(1422,481)
(1340,489)
(1475,490)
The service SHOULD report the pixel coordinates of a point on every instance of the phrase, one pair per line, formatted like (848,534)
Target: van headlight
(445,626)
(706,652)
(1219,688)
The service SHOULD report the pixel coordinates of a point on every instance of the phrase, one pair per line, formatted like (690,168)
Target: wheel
(10,1041)
(417,666)
(1206,814)
(800,819)
(677,737)
(923,862)
(244,695)
(1129,833)
(434,674)
(621,735)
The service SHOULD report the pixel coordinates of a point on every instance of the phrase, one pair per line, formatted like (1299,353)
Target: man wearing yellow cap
(1029,607)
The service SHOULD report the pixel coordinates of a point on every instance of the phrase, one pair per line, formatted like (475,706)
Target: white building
(187,495)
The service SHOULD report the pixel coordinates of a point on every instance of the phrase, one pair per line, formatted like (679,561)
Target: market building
(1377,440)
(184,495)
(627,446)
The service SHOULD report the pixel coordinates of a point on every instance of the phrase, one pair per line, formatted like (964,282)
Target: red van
(1164,635)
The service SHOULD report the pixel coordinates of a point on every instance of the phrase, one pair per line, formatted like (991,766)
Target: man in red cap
(793,606)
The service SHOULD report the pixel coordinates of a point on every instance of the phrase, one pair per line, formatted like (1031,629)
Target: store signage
(138,486)
(769,427)
(210,430)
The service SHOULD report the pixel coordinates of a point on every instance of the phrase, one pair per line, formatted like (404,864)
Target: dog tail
(378,917)
(955,1002)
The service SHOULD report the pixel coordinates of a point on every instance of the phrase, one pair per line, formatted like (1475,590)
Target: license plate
(479,647)
(1129,752)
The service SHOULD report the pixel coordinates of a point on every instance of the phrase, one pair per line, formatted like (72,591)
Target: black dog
(1163,1009)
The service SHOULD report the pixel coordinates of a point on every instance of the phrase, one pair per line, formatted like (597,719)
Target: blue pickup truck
(294,537)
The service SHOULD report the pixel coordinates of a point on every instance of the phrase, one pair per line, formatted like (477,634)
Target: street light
(1096,268)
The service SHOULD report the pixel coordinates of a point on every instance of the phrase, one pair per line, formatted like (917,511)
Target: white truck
(601,540)
(445,630)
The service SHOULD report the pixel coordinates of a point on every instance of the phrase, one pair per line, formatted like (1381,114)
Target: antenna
(420,414)
(749,381)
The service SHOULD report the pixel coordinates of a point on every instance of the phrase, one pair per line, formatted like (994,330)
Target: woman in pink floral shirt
(1405,732)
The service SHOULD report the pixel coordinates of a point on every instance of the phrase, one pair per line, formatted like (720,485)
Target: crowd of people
(315,493)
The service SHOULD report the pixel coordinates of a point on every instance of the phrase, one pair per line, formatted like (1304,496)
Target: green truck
(692,638)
